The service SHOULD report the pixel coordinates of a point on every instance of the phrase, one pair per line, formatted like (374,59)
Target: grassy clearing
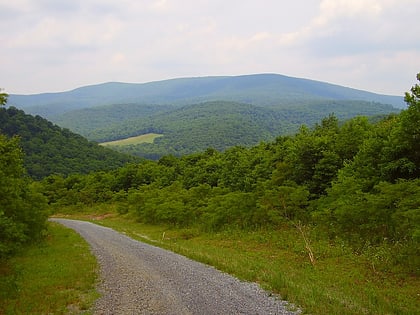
(339,283)
(146,138)
(55,277)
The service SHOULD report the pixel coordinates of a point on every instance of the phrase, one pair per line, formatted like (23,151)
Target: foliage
(217,124)
(3,98)
(376,195)
(50,149)
(22,207)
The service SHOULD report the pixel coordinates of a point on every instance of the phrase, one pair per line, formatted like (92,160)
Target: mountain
(193,114)
(50,149)
(268,90)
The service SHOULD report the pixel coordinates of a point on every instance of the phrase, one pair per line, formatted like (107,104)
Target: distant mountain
(266,90)
(50,149)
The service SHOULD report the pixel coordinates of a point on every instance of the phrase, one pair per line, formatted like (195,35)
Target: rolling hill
(50,149)
(272,90)
(219,125)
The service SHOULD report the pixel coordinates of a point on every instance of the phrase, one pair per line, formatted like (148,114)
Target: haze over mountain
(271,90)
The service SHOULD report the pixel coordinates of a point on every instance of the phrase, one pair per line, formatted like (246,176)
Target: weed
(341,282)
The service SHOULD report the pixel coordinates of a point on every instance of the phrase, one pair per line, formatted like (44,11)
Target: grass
(57,276)
(339,283)
(146,138)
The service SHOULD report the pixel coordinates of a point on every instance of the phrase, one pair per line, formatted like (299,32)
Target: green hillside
(50,149)
(196,127)
(86,121)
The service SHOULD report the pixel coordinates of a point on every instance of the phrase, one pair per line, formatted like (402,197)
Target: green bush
(22,208)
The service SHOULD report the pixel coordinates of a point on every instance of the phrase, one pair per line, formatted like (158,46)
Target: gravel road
(137,278)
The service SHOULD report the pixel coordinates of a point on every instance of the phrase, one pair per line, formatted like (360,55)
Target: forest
(218,124)
(352,184)
(49,149)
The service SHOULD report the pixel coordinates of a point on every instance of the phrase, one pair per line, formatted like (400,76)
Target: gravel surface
(137,278)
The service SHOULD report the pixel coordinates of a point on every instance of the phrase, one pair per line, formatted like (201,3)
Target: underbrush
(57,276)
(338,281)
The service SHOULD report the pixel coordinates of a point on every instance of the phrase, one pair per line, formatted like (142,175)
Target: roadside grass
(146,138)
(340,282)
(57,276)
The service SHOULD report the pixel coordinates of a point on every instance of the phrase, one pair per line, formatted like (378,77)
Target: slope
(221,125)
(50,149)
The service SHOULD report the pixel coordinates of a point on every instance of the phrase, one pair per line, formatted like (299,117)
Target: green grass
(339,283)
(57,276)
(146,138)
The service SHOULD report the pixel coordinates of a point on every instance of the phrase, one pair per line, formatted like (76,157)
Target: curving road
(138,278)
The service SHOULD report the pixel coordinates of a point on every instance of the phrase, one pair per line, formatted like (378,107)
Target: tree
(375,197)
(285,203)
(22,216)
(3,98)
(311,159)
(403,149)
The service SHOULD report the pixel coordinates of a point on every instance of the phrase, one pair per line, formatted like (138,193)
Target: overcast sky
(59,45)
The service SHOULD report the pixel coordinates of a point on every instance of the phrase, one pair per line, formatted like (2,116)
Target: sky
(60,45)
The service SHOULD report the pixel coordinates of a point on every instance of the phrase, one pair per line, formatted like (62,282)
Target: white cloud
(336,9)
(56,45)
(160,5)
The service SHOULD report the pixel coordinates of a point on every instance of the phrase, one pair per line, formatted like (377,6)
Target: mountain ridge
(266,89)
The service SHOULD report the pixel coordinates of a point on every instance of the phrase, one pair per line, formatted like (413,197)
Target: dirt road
(137,278)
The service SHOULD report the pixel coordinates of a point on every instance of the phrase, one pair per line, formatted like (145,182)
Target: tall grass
(57,276)
(340,282)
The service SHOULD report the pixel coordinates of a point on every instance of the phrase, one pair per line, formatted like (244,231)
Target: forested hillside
(98,123)
(194,128)
(50,149)
(356,184)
